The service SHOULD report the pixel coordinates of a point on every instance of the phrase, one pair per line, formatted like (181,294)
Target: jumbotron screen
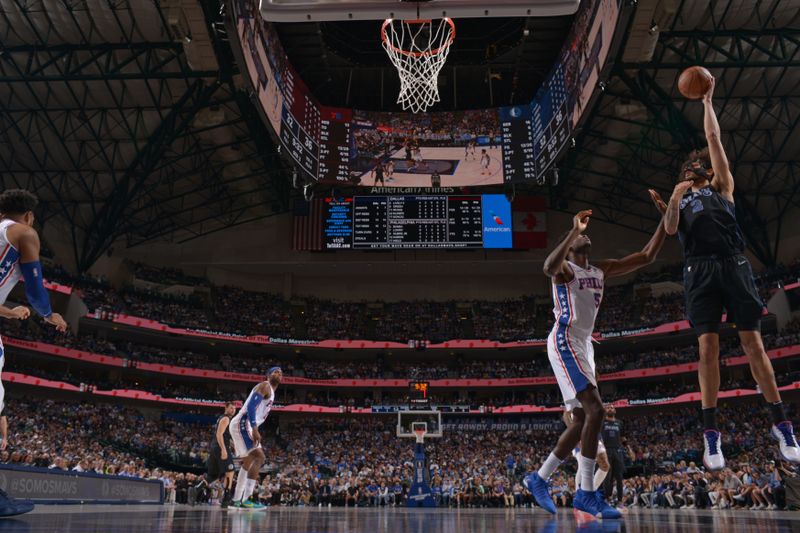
(403,222)
(445,149)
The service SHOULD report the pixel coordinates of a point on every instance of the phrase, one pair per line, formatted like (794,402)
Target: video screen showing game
(454,149)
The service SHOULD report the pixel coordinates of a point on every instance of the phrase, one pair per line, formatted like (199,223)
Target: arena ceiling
(127,117)
(130,120)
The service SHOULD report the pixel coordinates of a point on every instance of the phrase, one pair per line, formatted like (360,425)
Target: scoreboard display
(418,394)
(431,221)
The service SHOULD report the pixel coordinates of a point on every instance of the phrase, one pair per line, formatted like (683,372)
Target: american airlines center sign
(43,485)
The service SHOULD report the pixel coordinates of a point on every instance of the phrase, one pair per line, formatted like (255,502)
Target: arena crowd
(359,461)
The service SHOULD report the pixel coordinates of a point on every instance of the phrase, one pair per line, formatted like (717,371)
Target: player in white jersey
(19,259)
(485,160)
(577,292)
(247,440)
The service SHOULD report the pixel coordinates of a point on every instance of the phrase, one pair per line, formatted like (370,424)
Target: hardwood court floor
(203,519)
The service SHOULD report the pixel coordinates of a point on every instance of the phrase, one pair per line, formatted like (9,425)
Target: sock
(248,489)
(710,418)
(777,412)
(587,473)
(241,482)
(549,466)
(599,477)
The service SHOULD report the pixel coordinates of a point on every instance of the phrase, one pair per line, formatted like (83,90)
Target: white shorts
(572,360)
(241,436)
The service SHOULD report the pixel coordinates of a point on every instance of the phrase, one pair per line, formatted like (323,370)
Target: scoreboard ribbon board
(432,221)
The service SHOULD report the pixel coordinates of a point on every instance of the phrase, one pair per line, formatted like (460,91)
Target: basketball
(694,82)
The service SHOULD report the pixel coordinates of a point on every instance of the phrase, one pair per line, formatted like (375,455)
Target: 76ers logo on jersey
(590,283)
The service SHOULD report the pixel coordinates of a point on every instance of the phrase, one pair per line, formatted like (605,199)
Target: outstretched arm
(26,240)
(635,261)
(555,266)
(723,180)
(672,216)
(619,267)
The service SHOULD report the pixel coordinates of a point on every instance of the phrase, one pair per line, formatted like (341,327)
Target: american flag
(307,225)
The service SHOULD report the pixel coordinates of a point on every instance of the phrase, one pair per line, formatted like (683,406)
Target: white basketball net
(418,49)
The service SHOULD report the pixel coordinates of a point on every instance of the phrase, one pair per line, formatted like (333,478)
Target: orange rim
(435,51)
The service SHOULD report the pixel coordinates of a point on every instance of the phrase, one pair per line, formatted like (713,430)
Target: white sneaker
(784,434)
(712,456)
(753,507)
(772,507)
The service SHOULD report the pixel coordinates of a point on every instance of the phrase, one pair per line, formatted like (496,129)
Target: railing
(459,383)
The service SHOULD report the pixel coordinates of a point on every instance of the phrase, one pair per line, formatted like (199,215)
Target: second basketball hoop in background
(418,49)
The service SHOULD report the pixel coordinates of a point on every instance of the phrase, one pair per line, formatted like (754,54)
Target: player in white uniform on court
(485,160)
(19,258)
(247,440)
(577,292)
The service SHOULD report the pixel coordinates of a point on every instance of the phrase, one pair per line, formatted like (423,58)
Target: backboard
(407,421)
(324,10)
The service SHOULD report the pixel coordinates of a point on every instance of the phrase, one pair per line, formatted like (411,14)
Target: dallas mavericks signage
(58,486)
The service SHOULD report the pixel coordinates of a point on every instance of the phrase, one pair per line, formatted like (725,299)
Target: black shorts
(217,467)
(713,283)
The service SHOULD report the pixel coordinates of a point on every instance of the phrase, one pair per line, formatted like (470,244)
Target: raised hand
(681,187)
(581,220)
(659,203)
(710,91)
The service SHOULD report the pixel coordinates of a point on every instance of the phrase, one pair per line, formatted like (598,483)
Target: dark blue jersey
(226,436)
(708,225)
(610,433)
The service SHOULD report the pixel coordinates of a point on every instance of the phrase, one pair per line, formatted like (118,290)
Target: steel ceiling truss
(109,137)
(767,178)
(97,62)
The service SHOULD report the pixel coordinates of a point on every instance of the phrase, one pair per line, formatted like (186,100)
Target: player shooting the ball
(718,276)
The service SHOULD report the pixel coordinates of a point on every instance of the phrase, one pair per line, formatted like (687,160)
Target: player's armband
(34,288)
(255,399)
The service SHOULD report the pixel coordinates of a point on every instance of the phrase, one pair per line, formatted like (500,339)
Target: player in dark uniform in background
(717,275)
(220,460)
(377,172)
(436,179)
(611,434)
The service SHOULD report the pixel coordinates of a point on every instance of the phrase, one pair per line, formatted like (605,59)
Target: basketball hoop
(420,433)
(418,49)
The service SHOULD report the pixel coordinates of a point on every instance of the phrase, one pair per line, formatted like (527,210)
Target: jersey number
(597,298)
